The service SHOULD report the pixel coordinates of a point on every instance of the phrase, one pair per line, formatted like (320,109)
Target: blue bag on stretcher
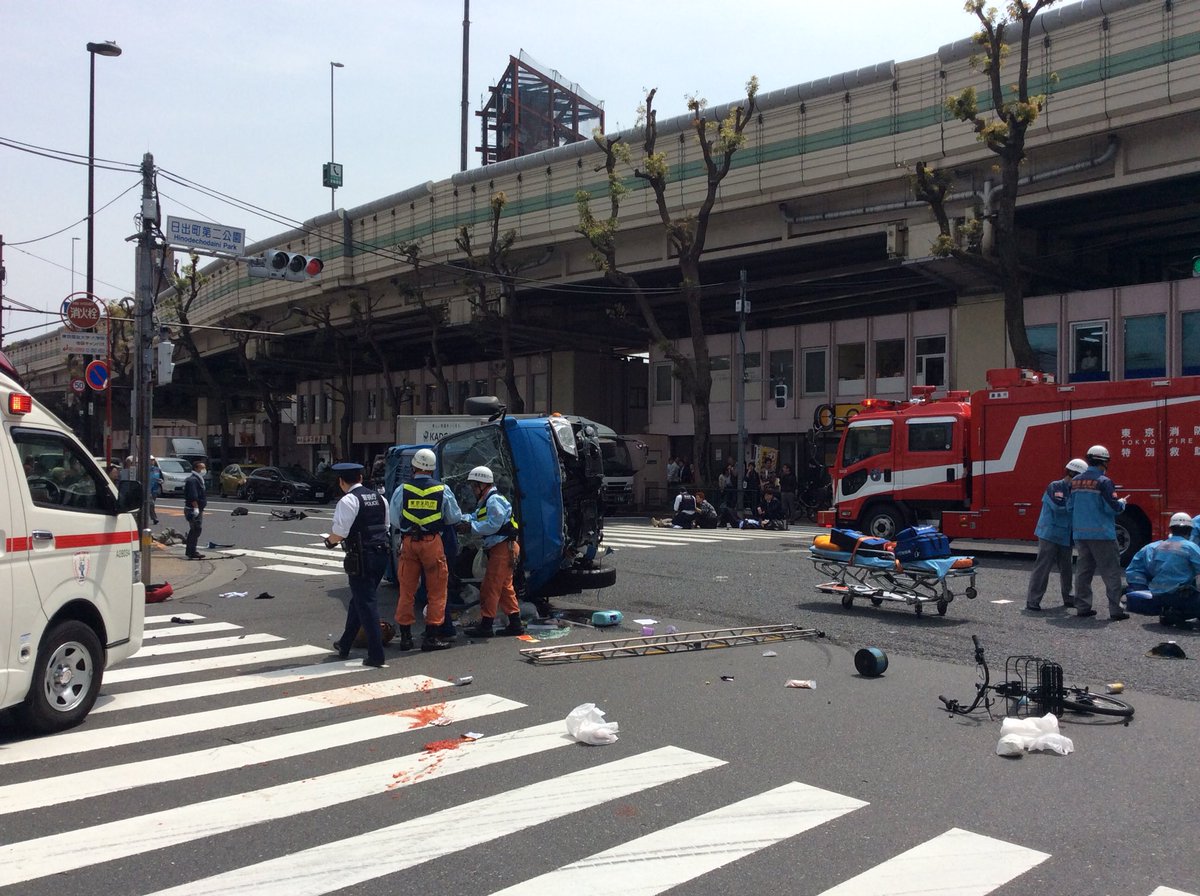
(921,543)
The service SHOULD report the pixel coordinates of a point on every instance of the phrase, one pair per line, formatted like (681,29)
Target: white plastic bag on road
(1020,735)
(586,724)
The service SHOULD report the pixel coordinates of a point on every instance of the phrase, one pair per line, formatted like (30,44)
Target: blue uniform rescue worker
(1094,508)
(421,509)
(1168,569)
(1054,539)
(360,525)
(494,524)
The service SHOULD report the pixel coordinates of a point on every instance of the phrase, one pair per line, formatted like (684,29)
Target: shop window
(664,383)
(1089,351)
(930,361)
(814,372)
(889,365)
(1191,343)
(852,368)
(1145,346)
(1044,341)
(719,367)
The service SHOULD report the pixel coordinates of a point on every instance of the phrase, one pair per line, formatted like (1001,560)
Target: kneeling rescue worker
(494,523)
(421,509)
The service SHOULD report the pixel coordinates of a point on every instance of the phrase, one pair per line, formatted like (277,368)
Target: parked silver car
(175,470)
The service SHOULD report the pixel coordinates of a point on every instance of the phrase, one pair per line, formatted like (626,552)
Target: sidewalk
(168,564)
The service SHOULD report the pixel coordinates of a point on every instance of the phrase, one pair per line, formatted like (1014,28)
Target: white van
(71,596)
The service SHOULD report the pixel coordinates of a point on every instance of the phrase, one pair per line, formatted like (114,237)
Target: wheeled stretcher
(878,576)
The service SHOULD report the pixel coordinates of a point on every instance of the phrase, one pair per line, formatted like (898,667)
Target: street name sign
(205,237)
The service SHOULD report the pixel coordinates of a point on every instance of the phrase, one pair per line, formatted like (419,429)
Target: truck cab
(901,462)
(551,469)
(71,597)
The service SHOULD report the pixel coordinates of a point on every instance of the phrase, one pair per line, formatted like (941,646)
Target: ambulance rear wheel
(66,680)
(883,521)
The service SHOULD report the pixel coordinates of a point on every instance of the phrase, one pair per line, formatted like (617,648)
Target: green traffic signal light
(1196,266)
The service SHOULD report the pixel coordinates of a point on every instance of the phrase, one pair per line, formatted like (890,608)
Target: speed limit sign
(78,385)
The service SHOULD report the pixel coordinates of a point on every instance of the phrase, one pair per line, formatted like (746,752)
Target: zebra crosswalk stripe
(32,859)
(87,739)
(177,767)
(980,864)
(206,629)
(178,693)
(143,672)
(354,860)
(210,644)
(674,855)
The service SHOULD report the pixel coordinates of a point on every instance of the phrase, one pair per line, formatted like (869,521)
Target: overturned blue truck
(551,468)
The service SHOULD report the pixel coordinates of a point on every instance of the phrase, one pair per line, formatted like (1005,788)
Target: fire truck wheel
(883,521)
(66,680)
(1132,536)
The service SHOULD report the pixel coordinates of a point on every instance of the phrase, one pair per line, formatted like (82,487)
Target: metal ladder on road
(677,642)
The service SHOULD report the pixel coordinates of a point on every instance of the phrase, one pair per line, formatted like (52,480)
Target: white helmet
(1180,519)
(1098,452)
(1076,465)
(481,474)
(424,459)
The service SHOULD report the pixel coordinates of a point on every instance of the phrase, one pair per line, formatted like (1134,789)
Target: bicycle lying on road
(1034,686)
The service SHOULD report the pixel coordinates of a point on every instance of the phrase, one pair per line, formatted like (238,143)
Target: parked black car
(286,485)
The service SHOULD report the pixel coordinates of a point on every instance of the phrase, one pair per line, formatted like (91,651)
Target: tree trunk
(1009,255)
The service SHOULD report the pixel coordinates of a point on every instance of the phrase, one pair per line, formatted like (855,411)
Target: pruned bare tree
(686,229)
(1003,132)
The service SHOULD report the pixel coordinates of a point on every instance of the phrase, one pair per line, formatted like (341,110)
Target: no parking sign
(97,375)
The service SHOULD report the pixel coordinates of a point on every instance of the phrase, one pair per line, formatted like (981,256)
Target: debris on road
(586,724)
(808,684)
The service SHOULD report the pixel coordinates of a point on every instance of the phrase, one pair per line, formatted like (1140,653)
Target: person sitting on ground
(770,511)
(685,510)
(1168,569)
(706,514)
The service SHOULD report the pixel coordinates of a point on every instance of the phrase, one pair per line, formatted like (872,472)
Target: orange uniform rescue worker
(421,508)
(494,523)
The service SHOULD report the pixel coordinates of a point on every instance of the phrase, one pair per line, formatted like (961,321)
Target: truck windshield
(617,459)
(866,441)
(461,452)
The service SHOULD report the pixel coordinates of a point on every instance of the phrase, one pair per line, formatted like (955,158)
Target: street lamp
(106,48)
(74,240)
(333,177)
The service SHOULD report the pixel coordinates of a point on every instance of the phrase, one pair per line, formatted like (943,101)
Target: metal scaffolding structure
(530,110)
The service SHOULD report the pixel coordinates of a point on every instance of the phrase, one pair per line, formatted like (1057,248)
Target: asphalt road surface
(235,754)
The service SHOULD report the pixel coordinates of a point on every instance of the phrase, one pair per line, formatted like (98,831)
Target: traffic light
(276,264)
(781,396)
(1196,266)
(166,364)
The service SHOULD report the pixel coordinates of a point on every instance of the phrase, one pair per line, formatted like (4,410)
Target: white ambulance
(71,597)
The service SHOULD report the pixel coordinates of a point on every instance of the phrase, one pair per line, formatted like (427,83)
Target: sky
(235,96)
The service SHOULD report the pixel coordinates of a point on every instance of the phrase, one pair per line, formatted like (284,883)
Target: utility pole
(462,153)
(143,356)
(742,306)
(2,276)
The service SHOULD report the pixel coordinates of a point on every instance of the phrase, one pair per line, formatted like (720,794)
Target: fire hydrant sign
(206,237)
(80,311)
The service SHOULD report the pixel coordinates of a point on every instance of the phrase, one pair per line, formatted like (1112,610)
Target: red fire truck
(976,464)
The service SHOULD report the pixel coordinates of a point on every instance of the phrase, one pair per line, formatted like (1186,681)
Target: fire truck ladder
(678,642)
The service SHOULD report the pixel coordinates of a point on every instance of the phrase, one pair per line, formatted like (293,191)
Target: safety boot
(481,629)
(406,639)
(432,640)
(514,626)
